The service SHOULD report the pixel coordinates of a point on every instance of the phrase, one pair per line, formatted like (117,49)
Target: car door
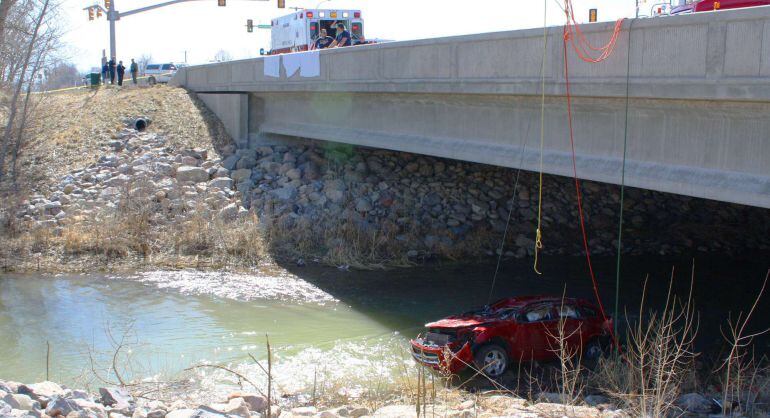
(569,326)
(534,325)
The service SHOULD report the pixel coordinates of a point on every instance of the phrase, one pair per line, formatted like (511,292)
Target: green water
(347,328)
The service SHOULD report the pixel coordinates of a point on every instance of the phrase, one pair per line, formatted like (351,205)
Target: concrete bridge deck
(698,87)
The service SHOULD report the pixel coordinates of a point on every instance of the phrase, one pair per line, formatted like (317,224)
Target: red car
(513,329)
(709,5)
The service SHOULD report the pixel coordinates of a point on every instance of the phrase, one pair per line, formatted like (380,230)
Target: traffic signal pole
(113,16)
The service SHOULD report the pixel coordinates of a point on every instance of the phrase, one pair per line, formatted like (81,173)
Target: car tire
(594,351)
(492,360)
(151,81)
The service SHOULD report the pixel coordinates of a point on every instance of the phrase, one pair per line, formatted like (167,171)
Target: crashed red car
(515,329)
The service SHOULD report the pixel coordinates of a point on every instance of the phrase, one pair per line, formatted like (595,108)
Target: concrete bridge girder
(698,109)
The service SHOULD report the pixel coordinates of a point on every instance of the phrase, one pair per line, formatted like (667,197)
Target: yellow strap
(538,231)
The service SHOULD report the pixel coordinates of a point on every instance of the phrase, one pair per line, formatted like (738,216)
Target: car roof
(522,301)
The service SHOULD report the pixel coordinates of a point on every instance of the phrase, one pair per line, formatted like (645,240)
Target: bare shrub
(742,374)
(648,378)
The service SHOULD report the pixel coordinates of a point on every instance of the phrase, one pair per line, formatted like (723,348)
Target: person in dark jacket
(343,37)
(134,69)
(112,71)
(121,72)
(105,71)
(323,40)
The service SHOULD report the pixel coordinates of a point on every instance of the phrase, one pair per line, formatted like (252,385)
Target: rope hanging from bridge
(574,36)
(622,184)
(580,43)
(538,231)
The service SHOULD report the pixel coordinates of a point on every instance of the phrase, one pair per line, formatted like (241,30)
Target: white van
(160,73)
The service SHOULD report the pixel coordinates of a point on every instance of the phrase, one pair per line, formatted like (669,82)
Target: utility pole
(113,17)
(637,9)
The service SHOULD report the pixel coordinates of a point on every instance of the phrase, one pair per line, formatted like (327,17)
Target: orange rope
(582,46)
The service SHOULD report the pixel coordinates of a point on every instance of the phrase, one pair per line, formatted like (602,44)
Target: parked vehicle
(516,329)
(693,6)
(160,73)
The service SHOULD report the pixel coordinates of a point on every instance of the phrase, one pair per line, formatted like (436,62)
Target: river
(344,328)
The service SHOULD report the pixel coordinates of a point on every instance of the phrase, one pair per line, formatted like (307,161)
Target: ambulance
(297,31)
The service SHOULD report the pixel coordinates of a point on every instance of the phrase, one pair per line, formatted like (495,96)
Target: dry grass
(137,233)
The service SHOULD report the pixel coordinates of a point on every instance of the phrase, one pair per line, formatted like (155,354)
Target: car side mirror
(261,51)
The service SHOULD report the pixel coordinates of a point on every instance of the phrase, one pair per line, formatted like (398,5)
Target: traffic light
(107,4)
(593,15)
(281,4)
(221,3)
(249,25)
(90,13)
(98,12)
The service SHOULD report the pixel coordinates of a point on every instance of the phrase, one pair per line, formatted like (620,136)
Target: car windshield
(491,311)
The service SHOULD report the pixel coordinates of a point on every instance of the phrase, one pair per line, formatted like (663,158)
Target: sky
(199,29)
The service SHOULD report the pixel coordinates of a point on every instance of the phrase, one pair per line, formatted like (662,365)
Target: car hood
(459,322)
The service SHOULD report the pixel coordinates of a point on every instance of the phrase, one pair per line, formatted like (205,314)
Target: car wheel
(151,81)
(492,360)
(593,352)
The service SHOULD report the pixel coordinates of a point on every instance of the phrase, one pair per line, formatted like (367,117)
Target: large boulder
(5,409)
(182,413)
(206,412)
(234,407)
(59,406)
(240,175)
(191,174)
(257,403)
(25,402)
(222,183)
(246,162)
(117,398)
(42,391)
(229,212)
(231,161)
(695,403)
(363,205)
(285,193)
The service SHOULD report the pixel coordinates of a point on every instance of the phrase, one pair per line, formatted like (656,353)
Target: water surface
(349,328)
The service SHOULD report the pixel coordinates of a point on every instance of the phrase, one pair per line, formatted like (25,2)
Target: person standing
(105,71)
(112,71)
(343,37)
(134,69)
(323,40)
(121,72)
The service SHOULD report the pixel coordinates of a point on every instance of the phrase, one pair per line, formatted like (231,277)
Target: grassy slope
(72,127)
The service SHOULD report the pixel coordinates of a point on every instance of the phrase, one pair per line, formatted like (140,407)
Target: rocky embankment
(49,399)
(342,205)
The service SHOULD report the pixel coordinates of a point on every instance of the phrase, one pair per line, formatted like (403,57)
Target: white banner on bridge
(273,66)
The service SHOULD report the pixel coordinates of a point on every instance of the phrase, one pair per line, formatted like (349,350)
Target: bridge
(695,89)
